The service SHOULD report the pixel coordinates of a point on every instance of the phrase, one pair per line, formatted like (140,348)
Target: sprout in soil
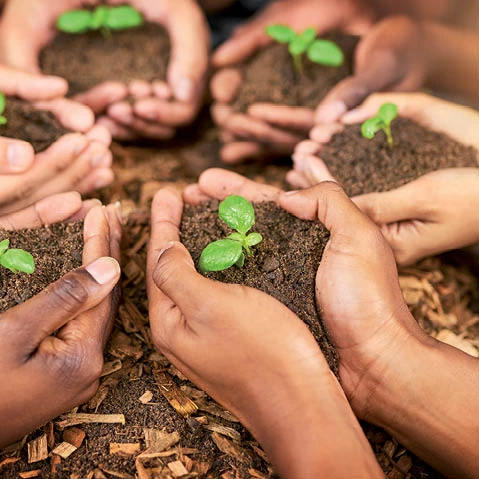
(102,18)
(318,50)
(16,260)
(238,214)
(382,121)
(3,102)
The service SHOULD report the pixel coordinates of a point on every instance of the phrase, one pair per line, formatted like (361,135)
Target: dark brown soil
(56,249)
(37,127)
(363,166)
(90,59)
(284,264)
(270,76)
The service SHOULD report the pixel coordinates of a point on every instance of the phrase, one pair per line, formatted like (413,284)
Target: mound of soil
(363,166)
(284,264)
(269,76)
(56,249)
(25,122)
(92,58)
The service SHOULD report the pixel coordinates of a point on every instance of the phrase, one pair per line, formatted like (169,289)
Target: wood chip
(121,475)
(83,418)
(111,367)
(158,441)
(177,468)
(37,449)
(452,339)
(74,435)
(227,446)
(30,474)
(9,460)
(174,395)
(124,449)
(64,450)
(55,461)
(146,397)
(224,431)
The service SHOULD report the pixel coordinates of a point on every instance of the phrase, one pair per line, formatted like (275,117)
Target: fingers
(101,96)
(189,36)
(225,85)
(167,113)
(239,151)
(16,156)
(71,114)
(117,130)
(62,301)
(291,118)
(313,169)
(31,87)
(219,184)
(53,209)
(100,134)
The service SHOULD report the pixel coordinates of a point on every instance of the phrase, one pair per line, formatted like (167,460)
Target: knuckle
(70,294)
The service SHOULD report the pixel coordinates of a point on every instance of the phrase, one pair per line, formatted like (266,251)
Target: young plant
(102,18)
(238,214)
(382,121)
(3,104)
(318,50)
(16,260)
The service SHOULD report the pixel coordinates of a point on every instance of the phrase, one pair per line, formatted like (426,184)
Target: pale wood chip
(452,339)
(84,418)
(37,449)
(74,435)
(159,440)
(228,447)
(124,449)
(146,397)
(177,468)
(224,431)
(30,474)
(111,367)
(121,475)
(64,450)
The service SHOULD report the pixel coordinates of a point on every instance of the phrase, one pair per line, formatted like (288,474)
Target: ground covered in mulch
(92,58)
(56,249)
(363,166)
(25,122)
(269,76)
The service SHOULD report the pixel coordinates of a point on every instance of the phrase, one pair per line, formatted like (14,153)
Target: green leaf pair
(382,121)
(3,104)
(16,260)
(238,214)
(323,52)
(121,17)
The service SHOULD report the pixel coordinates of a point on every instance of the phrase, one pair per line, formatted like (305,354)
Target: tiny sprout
(3,104)
(16,260)
(102,18)
(323,52)
(382,121)
(238,214)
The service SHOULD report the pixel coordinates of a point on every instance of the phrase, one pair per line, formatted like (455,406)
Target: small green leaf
(4,245)
(220,255)
(3,103)
(281,33)
(3,120)
(387,112)
(301,43)
(236,237)
(240,262)
(237,212)
(370,127)
(18,260)
(99,17)
(253,239)
(123,17)
(326,52)
(75,21)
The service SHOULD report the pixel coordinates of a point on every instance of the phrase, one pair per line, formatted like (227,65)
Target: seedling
(238,214)
(3,104)
(318,50)
(16,260)
(102,18)
(382,121)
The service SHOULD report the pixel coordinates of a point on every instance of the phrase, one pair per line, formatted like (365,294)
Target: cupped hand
(267,129)
(52,362)
(252,354)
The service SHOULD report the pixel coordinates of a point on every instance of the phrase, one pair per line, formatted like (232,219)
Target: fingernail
(119,211)
(184,89)
(101,183)
(81,142)
(104,270)
(18,156)
(163,250)
(330,112)
(291,193)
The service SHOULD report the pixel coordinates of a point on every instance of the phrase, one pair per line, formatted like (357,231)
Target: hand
(272,129)
(242,346)
(50,366)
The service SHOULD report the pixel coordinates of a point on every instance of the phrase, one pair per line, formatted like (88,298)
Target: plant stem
(389,136)
(298,64)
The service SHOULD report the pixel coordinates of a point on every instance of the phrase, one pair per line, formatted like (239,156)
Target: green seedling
(238,214)
(318,50)
(3,104)
(102,18)
(16,260)
(382,121)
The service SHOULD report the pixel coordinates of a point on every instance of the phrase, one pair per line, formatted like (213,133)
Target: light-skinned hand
(52,362)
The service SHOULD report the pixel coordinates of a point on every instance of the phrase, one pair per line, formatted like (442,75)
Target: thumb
(16,156)
(75,293)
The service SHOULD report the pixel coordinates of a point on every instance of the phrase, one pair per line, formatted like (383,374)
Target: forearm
(453,58)
(428,401)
